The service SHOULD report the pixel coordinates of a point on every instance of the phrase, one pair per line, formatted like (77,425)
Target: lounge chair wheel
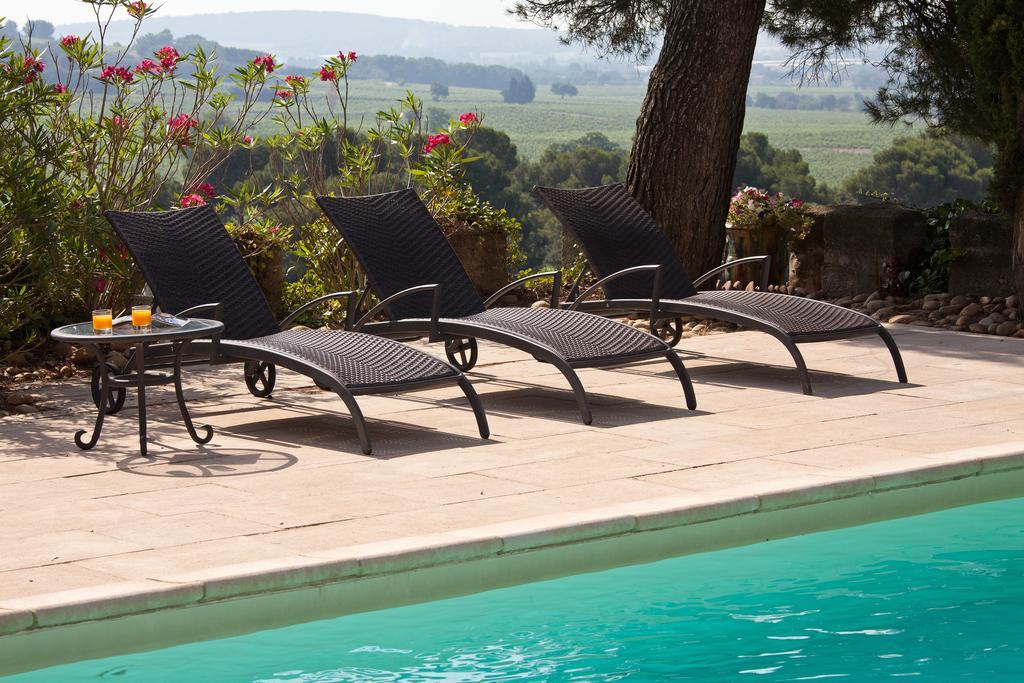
(260,377)
(669,331)
(115,401)
(462,353)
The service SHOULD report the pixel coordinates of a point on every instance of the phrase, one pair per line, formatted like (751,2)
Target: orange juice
(103,321)
(142,317)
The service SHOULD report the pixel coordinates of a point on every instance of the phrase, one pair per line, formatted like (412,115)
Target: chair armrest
(556,274)
(435,307)
(319,300)
(765,259)
(655,293)
(216,310)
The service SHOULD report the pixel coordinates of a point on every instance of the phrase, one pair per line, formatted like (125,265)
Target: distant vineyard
(834,143)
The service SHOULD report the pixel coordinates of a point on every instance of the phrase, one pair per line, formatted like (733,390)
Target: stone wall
(485,257)
(986,266)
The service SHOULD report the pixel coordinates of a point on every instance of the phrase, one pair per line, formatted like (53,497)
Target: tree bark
(1018,220)
(684,153)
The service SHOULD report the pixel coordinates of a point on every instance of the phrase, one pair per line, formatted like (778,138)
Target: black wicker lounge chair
(193,267)
(401,248)
(617,234)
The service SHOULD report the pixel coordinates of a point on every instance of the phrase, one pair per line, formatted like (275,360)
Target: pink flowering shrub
(753,209)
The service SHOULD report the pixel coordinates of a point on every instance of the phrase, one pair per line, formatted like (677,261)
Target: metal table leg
(140,368)
(101,411)
(179,349)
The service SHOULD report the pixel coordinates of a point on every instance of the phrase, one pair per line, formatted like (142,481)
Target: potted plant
(761,222)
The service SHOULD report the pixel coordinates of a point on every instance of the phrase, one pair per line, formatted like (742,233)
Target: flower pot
(765,238)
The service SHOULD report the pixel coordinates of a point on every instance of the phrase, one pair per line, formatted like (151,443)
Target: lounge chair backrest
(400,246)
(188,259)
(615,233)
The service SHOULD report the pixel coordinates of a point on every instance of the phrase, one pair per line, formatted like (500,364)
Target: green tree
(564,89)
(778,170)
(923,171)
(956,65)
(520,90)
(40,30)
(684,152)
(438,91)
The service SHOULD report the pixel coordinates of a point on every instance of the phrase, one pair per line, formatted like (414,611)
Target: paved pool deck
(284,491)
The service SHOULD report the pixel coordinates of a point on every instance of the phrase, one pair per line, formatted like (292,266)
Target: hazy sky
(463,12)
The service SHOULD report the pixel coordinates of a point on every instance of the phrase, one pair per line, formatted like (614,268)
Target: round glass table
(111,378)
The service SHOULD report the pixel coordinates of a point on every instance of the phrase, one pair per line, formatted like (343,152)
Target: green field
(834,143)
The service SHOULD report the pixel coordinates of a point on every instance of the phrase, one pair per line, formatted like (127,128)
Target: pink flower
(33,67)
(169,57)
(100,285)
(116,73)
(284,94)
(468,118)
(192,200)
(797,203)
(351,56)
(70,41)
(148,66)
(327,73)
(435,141)
(60,88)
(179,127)
(276,229)
(137,9)
(205,189)
(265,62)
(119,121)
(295,80)
(247,139)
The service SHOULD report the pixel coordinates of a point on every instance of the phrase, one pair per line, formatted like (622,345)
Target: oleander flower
(148,66)
(436,141)
(60,88)
(204,189)
(295,81)
(119,121)
(70,40)
(169,57)
(264,62)
(468,118)
(180,128)
(116,73)
(284,95)
(137,9)
(327,73)
(246,139)
(351,56)
(192,200)
(33,67)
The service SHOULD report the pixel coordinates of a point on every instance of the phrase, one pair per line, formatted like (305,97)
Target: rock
(985,300)
(1005,329)
(980,329)
(300,327)
(26,408)
(959,300)
(884,312)
(949,309)
(1019,333)
(986,321)
(19,398)
(845,302)
(873,296)
(541,303)
(860,298)
(1011,302)
(931,304)
(872,306)
(67,371)
(963,321)
(81,356)
(997,317)
(1012,315)
(750,286)
(971,310)
(727,286)
(902,319)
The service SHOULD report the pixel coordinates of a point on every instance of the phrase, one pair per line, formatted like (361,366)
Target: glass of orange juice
(142,318)
(103,321)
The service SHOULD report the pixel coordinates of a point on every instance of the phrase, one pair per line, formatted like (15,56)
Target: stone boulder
(865,246)
(986,266)
(807,256)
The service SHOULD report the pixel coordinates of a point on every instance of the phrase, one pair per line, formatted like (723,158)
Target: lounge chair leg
(577,388)
(801,366)
(478,408)
(897,359)
(357,418)
(684,377)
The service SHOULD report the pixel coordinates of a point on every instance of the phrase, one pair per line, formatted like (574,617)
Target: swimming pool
(936,597)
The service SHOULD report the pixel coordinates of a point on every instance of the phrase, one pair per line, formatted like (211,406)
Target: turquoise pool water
(938,597)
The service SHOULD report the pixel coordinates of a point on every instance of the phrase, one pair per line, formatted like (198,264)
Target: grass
(834,144)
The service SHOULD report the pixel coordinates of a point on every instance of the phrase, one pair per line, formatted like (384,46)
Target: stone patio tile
(85,514)
(160,562)
(459,488)
(966,390)
(62,546)
(580,469)
(183,529)
(946,439)
(700,452)
(370,474)
(168,502)
(824,408)
(745,477)
(880,453)
(279,512)
(22,583)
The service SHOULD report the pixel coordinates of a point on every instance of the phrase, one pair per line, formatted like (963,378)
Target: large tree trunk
(1018,221)
(684,154)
